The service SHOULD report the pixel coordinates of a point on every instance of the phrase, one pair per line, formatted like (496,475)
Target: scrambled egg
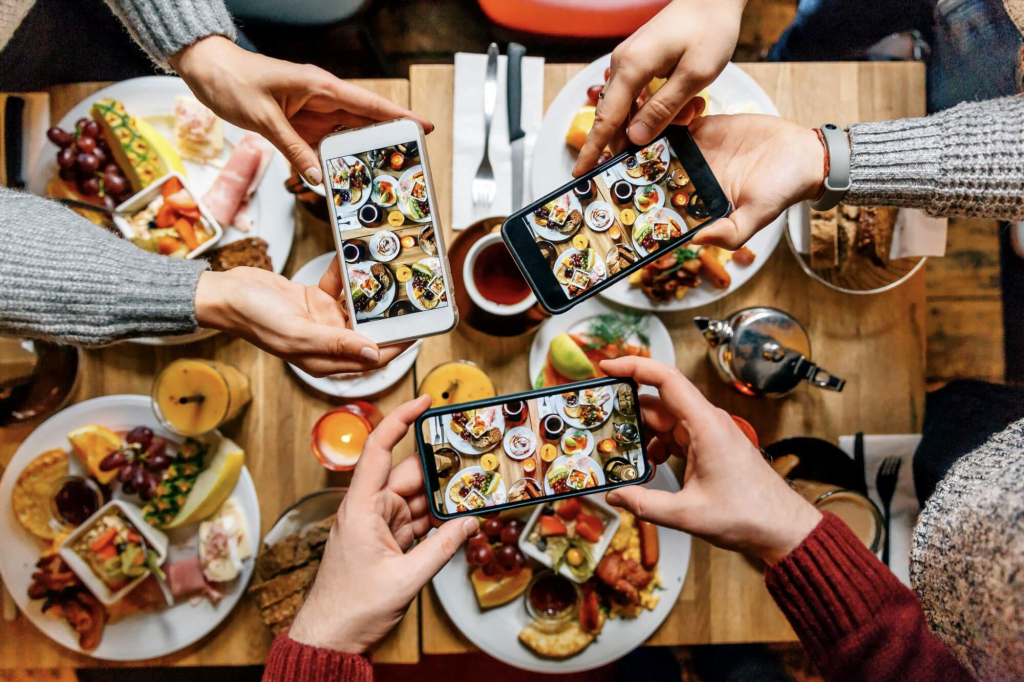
(627,541)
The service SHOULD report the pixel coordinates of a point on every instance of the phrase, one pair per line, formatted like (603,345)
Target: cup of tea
(493,280)
(515,412)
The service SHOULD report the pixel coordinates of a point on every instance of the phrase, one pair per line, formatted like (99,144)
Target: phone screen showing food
(596,230)
(385,221)
(547,444)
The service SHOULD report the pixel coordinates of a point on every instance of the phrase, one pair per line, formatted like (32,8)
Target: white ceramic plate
(665,158)
(359,384)
(577,320)
(311,509)
(587,449)
(383,237)
(501,493)
(138,637)
(589,216)
(519,431)
(554,235)
(659,200)
(152,98)
(434,264)
(732,92)
(403,196)
(496,631)
(558,403)
(394,189)
(580,459)
(651,217)
(464,446)
(598,272)
(385,302)
(364,195)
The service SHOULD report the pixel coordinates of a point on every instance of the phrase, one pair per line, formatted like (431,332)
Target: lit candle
(339,437)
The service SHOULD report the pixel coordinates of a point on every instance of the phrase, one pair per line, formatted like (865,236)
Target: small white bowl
(156,540)
(141,200)
(612,521)
(474,293)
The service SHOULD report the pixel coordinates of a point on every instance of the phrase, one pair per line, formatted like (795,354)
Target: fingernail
(612,498)
(370,354)
(639,132)
(471,525)
(575,166)
(313,175)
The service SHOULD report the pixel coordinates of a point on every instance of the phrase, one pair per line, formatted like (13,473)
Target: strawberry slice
(589,527)
(570,509)
(551,525)
(181,200)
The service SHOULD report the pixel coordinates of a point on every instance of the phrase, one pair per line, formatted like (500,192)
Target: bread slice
(317,535)
(284,585)
(849,218)
(824,240)
(874,233)
(251,252)
(289,553)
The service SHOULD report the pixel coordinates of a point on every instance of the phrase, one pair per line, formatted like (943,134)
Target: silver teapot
(764,352)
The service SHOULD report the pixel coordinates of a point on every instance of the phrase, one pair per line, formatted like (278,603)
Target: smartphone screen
(591,233)
(519,450)
(386,229)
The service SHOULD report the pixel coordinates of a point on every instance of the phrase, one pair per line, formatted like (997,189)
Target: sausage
(714,271)
(649,550)
(743,256)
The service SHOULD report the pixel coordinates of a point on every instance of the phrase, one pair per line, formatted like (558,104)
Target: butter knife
(14,130)
(516,136)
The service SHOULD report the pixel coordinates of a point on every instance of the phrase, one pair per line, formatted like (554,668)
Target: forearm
(290,661)
(967,161)
(856,620)
(65,279)
(163,27)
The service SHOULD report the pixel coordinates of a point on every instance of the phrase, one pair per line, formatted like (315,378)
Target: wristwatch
(837,182)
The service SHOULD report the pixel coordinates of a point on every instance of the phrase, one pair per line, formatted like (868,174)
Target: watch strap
(837,181)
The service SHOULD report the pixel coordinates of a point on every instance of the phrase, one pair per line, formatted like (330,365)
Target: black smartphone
(519,450)
(592,232)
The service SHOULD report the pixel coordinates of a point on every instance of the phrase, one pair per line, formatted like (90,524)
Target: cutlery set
(484,186)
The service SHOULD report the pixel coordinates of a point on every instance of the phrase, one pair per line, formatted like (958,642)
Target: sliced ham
(231,187)
(185,578)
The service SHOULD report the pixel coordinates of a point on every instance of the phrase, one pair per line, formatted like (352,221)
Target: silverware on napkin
(484,186)
(516,134)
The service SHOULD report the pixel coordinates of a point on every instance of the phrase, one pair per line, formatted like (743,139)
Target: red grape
(86,144)
(100,155)
(149,492)
(66,157)
(511,532)
(520,559)
(491,569)
(160,462)
(91,130)
(126,473)
(479,539)
(67,174)
(115,184)
(112,461)
(506,556)
(480,555)
(89,186)
(127,488)
(108,202)
(59,137)
(139,478)
(140,435)
(113,169)
(492,528)
(81,123)
(594,93)
(88,163)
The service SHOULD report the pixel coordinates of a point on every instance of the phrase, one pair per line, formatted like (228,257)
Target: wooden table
(877,343)
(274,431)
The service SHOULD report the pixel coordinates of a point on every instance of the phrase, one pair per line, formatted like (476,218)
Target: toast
(824,239)
(249,252)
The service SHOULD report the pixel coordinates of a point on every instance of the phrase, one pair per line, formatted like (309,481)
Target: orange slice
(92,444)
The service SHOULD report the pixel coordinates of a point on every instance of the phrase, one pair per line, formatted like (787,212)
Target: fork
(484,186)
(885,482)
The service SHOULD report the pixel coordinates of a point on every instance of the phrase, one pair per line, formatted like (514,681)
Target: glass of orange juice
(193,396)
(339,435)
(458,381)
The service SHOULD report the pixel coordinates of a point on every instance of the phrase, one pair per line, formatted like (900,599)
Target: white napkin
(904,507)
(915,233)
(468,141)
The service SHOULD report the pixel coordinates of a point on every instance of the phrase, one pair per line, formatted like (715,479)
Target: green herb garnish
(682,255)
(612,329)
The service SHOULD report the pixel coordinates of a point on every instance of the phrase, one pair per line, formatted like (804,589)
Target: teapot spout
(716,332)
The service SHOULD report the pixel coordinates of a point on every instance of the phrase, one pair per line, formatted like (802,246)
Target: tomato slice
(551,525)
(172,185)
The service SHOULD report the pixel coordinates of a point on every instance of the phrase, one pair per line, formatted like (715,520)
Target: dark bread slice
(824,240)
(849,218)
(249,252)
(283,585)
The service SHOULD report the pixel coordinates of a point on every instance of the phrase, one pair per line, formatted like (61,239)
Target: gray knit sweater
(967,559)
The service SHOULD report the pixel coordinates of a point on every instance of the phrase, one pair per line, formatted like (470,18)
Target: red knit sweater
(856,620)
(854,617)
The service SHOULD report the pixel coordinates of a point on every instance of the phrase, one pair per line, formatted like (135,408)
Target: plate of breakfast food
(520,442)
(570,347)
(665,285)
(586,409)
(474,488)
(354,384)
(474,432)
(350,180)
(565,586)
(850,248)
(385,191)
(426,288)
(559,219)
(100,501)
(384,246)
(579,269)
(125,139)
(373,288)
(412,195)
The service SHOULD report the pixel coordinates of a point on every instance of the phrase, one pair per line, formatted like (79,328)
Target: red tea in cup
(497,276)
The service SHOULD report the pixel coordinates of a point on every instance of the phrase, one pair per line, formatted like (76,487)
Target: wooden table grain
(877,343)
(275,432)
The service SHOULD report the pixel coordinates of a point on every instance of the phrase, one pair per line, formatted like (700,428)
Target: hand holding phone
(630,211)
(390,242)
(521,449)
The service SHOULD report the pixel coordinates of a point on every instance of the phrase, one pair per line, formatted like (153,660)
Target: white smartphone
(390,243)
